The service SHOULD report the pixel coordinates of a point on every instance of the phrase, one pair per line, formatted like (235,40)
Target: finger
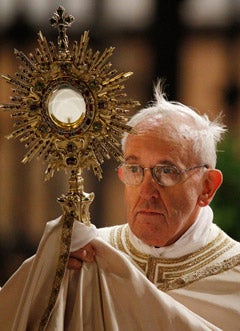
(74,264)
(89,253)
(86,254)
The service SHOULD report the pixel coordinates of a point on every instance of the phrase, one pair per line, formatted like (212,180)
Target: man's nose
(148,187)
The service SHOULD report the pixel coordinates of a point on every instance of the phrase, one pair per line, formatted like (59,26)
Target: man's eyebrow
(131,158)
(168,163)
(164,162)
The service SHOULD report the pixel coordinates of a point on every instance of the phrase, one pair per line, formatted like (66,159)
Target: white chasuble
(110,294)
(201,270)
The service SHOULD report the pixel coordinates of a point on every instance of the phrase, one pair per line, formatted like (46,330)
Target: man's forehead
(181,126)
(171,143)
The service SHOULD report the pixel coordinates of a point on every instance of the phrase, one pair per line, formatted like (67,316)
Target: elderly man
(170,178)
(169,267)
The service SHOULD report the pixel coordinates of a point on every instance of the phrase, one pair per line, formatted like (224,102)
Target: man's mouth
(148,212)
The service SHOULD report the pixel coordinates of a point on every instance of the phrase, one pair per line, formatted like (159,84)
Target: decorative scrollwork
(86,142)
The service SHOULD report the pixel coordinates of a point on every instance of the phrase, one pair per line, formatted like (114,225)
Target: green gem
(97,126)
(101,105)
(39,85)
(93,84)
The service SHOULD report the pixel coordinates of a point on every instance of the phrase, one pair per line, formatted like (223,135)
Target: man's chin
(149,230)
(152,218)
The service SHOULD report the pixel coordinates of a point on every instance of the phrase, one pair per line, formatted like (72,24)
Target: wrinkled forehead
(177,136)
(180,127)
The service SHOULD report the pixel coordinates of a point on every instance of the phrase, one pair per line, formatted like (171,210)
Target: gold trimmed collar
(171,273)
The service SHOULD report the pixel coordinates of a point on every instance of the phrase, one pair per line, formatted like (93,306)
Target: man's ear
(212,180)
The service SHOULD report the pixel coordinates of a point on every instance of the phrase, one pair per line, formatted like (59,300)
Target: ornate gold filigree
(85,142)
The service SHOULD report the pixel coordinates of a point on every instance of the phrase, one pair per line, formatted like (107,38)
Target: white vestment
(130,286)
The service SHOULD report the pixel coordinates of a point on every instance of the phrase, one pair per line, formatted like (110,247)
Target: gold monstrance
(69,109)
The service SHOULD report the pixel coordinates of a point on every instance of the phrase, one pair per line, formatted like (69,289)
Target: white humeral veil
(109,294)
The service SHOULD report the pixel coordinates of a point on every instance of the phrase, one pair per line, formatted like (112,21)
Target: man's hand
(84,254)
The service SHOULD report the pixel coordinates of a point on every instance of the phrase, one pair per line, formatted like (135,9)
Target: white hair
(203,133)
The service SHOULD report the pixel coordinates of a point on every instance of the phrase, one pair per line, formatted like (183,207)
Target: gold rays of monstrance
(70,109)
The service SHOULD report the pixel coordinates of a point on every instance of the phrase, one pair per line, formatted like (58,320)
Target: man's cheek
(130,201)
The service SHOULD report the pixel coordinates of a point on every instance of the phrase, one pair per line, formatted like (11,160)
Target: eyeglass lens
(163,175)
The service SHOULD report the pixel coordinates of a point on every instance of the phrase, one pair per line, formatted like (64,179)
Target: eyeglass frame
(180,172)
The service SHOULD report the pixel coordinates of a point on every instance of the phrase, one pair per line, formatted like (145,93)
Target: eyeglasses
(164,175)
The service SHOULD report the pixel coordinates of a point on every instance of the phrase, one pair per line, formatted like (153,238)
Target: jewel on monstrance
(71,147)
(44,128)
(39,85)
(71,161)
(97,125)
(102,105)
(33,107)
(93,84)
(64,66)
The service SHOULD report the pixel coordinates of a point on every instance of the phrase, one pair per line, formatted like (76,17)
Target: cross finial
(61,20)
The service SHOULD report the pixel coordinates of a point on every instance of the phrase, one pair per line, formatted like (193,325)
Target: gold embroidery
(169,274)
(170,261)
(66,234)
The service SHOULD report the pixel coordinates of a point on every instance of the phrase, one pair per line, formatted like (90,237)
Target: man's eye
(167,170)
(134,168)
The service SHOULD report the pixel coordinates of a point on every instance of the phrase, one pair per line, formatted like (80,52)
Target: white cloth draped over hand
(82,235)
(109,294)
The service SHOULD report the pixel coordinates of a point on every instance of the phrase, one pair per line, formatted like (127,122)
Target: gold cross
(61,20)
